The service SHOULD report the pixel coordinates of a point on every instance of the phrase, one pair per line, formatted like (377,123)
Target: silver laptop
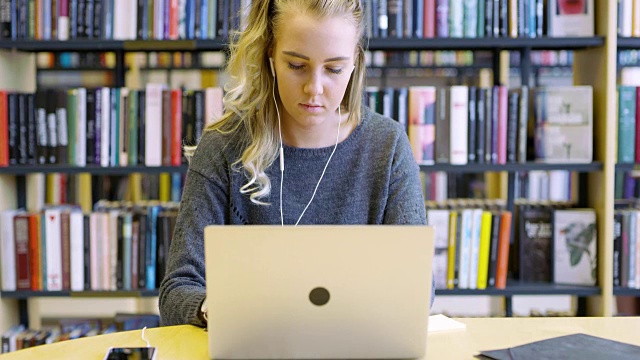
(318,292)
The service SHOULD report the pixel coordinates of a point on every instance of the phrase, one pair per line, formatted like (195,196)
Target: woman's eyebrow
(295,54)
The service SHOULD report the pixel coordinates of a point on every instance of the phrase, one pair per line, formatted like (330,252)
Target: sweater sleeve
(405,203)
(183,289)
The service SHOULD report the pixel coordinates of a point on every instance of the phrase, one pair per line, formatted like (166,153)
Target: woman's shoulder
(379,126)
(217,148)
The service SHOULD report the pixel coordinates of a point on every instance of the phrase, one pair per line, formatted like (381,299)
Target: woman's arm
(405,203)
(204,202)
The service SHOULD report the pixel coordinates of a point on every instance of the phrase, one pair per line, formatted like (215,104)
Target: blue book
(151,245)
(204,19)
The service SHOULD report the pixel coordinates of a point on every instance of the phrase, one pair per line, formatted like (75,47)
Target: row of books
(479,18)
(626,248)
(535,185)
(628,124)
(467,124)
(206,19)
(629,18)
(104,126)
(18,337)
(119,19)
(629,57)
(150,60)
(116,247)
(627,185)
(551,245)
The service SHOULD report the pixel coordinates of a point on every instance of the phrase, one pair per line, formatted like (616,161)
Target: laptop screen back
(318,291)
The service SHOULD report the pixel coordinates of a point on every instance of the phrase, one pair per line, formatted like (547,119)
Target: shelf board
(91,169)
(371,44)
(59,46)
(512,167)
(627,167)
(628,43)
(620,291)
(483,43)
(517,288)
(79,294)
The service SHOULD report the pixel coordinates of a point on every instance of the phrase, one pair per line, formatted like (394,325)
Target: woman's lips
(311,108)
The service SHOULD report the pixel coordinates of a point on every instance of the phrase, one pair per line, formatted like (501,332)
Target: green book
(626,124)
(133,128)
(72,112)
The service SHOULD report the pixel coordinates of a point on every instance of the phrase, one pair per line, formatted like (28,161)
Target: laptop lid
(316,292)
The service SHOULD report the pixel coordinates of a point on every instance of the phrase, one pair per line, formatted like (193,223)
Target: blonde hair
(248,101)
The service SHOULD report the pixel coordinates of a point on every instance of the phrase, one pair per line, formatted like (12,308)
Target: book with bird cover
(575,246)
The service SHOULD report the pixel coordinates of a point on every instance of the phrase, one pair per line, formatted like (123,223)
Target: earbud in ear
(273,71)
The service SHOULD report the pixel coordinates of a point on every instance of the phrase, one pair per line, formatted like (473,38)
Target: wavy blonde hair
(248,101)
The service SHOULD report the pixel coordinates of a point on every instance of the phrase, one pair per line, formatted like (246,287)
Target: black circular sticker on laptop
(319,296)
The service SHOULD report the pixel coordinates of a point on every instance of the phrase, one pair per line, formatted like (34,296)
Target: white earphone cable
(282,161)
(325,167)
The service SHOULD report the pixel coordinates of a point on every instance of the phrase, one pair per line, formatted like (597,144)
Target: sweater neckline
(296,151)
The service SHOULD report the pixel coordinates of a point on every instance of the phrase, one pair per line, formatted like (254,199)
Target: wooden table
(189,342)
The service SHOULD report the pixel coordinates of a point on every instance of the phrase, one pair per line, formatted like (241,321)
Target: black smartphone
(131,353)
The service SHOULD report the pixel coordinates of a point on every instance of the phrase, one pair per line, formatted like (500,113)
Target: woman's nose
(313,86)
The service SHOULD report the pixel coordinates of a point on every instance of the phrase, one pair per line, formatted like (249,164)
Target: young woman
(295,145)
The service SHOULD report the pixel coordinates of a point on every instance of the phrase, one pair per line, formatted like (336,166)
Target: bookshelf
(595,65)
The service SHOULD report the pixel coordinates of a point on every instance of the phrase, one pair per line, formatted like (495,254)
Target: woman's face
(313,60)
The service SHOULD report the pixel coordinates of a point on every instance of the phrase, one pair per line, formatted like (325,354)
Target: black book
(400,113)
(12,105)
(493,249)
(88,18)
(496,18)
(120,252)
(223,18)
(52,127)
(197,21)
(141,217)
(535,244)
(141,126)
(512,125)
(495,101)
(166,224)
(472,127)
(488,18)
(97,19)
(617,248)
(91,126)
(417,15)
(98,126)
(31,128)
(396,27)
(198,113)
(76,12)
(23,129)
(86,243)
(383,28)
(142,18)
(480,124)
(456,266)
(234,15)
(5,19)
(504,18)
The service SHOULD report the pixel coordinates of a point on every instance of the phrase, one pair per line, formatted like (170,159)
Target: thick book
(564,124)
(535,243)
(570,18)
(575,246)
(626,124)
(422,104)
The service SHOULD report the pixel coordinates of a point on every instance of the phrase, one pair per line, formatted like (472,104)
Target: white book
(439,219)
(8,254)
(153,124)
(53,253)
(63,23)
(559,185)
(458,118)
(120,19)
(442,193)
(81,127)
(571,19)
(158,20)
(105,130)
(76,241)
(465,249)
(635,19)
(213,108)
(626,18)
(476,227)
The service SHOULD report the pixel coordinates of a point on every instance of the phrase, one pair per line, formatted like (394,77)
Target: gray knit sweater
(371,179)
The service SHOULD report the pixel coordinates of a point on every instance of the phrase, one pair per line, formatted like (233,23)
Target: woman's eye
(295,67)
(335,71)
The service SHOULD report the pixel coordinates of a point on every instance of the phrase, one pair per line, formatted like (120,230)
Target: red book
(173,19)
(429,29)
(21,238)
(502,124)
(503,250)
(176,127)
(4,129)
